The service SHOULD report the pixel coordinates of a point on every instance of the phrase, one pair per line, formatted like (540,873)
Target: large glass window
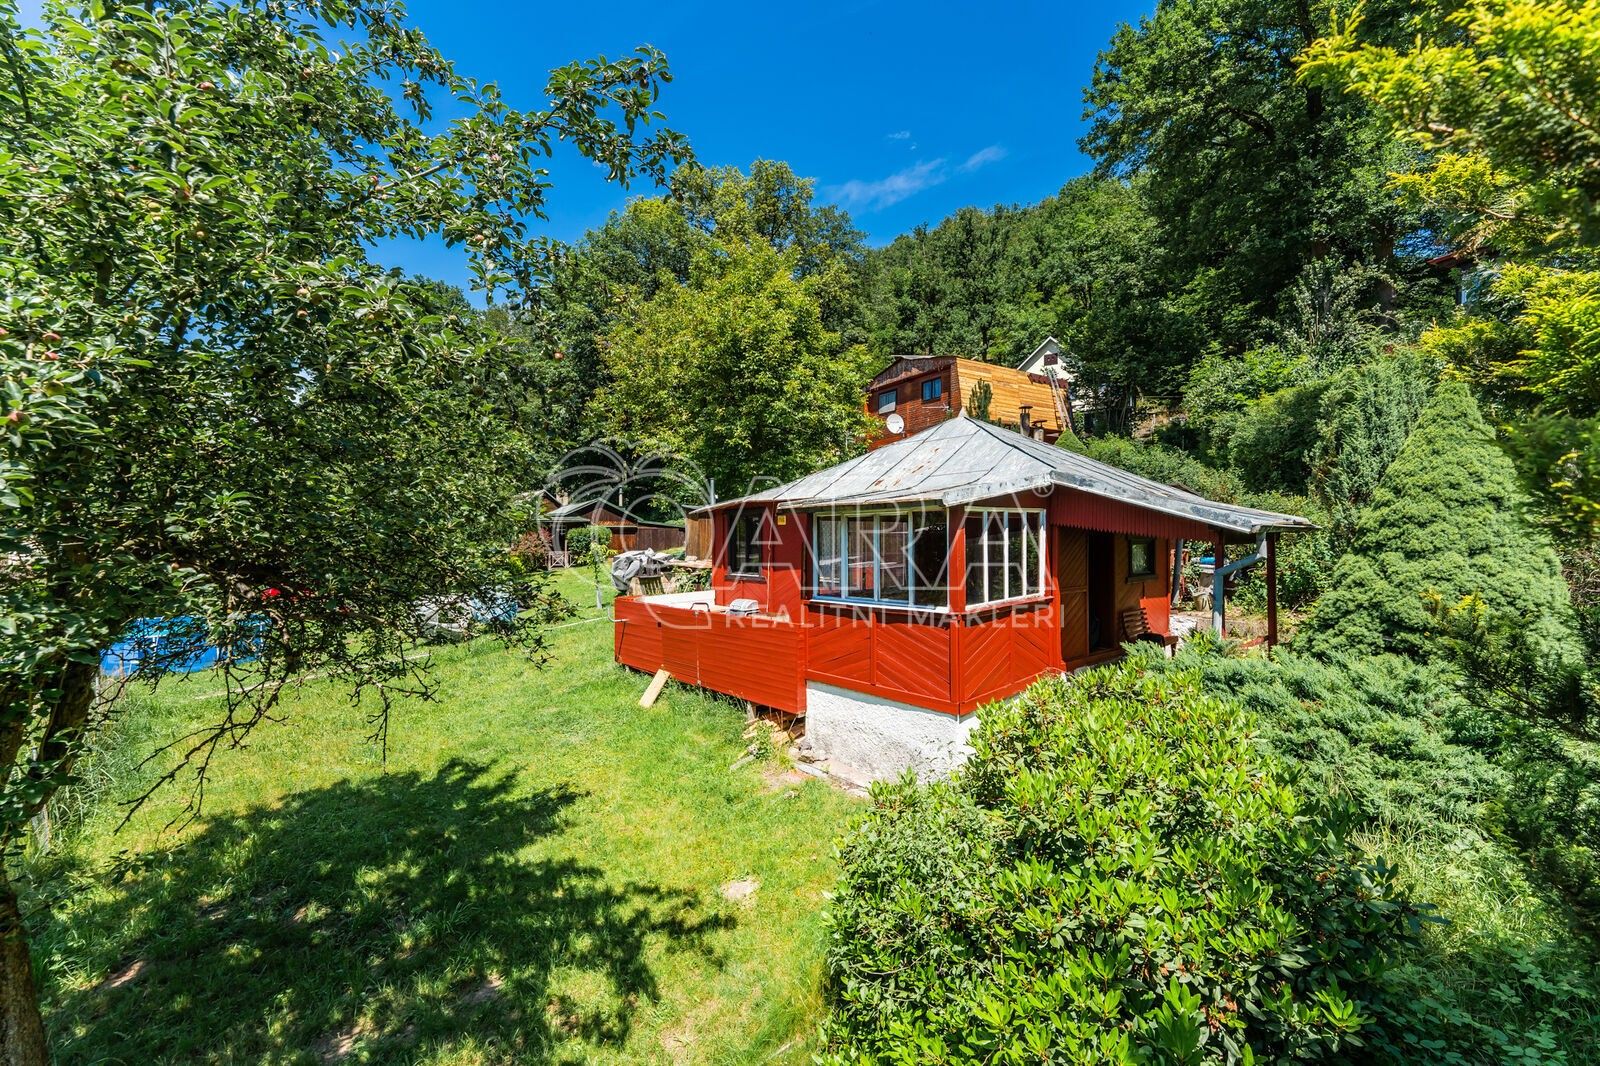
(881,558)
(886,401)
(1004,557)
(744,545)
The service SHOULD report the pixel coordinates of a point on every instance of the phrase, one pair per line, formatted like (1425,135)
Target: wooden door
(1072,578)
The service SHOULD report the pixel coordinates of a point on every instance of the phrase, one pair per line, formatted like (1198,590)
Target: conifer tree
(1446,520)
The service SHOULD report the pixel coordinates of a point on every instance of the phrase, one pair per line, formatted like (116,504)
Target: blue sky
(902,112)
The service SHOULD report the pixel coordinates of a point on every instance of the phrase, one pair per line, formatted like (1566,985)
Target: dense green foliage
(1447,519)
(1500,98)
(622,308)
(1252,177)
(1081,266)
(217,408)
(1118,874)
(1366,416)
(744,338)
(1480,814)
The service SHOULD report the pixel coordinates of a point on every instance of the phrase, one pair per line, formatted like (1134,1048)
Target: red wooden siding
(897,654)
(1080,510)
(783,553)
(752,658)
(1003,653)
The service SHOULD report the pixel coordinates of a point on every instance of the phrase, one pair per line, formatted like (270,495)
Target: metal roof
(963,460)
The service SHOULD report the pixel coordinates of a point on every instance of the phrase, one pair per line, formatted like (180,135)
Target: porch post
(956,565)
(1272,589)
(1219,622)
(956,577)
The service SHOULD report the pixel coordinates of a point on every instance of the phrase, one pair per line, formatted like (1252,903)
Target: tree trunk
(22,1041)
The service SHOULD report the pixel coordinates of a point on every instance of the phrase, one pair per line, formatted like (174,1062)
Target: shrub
(1552,810)
(1388,735)
(1451,799)
(532,550)
(1366,416)
(1446,518)
(1119,873)
(1270,443)
(1166,465)
(581,539)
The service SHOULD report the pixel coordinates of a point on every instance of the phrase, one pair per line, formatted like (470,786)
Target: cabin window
(744,545)
(1141,557)
(932,389)
(899,558)
(886,401)
(1005,559)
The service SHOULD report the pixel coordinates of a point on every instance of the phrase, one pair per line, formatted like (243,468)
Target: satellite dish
(895,424)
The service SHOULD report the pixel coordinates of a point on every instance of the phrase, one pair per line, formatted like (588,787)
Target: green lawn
(536,877)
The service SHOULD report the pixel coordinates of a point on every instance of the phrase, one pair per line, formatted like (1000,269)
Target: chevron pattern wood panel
(986,658)
(912,658)
(839,645)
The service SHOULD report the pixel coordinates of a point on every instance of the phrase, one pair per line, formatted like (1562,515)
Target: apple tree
(216,409)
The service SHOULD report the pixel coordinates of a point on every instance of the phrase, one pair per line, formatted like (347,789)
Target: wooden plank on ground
(657,683)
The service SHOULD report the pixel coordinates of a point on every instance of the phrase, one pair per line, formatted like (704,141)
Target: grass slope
(535,878)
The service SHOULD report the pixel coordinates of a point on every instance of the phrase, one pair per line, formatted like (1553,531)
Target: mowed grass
(535,876)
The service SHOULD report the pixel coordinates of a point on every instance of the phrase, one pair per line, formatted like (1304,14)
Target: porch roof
(963,460)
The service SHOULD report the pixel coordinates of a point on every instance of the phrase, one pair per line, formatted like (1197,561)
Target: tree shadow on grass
(373,921)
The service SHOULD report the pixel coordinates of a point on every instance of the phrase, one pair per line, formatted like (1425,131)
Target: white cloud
(983,157)
(860,195)
(900,135)
(902,184)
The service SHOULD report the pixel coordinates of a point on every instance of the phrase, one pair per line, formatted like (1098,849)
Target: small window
(886,401)
(932,389)
(1051,358)
(744,545)
(1141,557)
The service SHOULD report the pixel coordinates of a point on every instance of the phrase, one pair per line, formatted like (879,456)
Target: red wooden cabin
(935,574)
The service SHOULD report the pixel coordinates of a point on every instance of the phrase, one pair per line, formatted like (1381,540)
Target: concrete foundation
(869,737)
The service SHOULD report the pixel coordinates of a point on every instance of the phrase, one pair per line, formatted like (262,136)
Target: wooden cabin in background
(628,532)
(916,392)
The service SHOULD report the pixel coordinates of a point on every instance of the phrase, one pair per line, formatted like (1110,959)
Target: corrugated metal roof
(963,460)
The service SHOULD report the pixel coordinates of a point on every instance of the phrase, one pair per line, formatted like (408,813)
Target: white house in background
(1045,361)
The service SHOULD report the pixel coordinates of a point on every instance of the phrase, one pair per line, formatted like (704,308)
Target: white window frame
(985,563)
(841,548)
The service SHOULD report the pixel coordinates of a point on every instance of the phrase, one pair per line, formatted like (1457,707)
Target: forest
(1329,261)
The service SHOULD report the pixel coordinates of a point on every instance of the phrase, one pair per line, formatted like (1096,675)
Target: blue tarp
(155,639)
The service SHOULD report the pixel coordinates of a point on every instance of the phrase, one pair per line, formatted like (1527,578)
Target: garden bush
(1120,873)
(1447,519)
(1552,810)
(1392,737)
(1366,416)
(1166,465)
(581,539)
